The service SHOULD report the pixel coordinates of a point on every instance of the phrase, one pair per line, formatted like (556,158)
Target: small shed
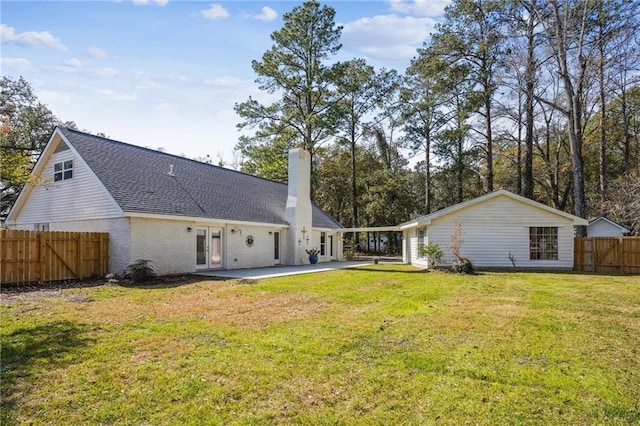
(602,227)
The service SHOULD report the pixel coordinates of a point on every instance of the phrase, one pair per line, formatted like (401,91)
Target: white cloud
(73,63)
(34,39)
(97,53)
(215,11)
(224,82)
(73,66)
(267,15)
(387,37)
(144,80)
(15,64)
(430,8)
(107,72)
(150,2)
(116,96)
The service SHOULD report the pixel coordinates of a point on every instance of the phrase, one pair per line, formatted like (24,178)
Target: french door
(209,252)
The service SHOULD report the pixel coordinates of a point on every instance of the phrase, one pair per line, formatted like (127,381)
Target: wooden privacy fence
(617,255)
(37,256)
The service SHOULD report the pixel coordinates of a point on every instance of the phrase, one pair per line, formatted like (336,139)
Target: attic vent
(171,170)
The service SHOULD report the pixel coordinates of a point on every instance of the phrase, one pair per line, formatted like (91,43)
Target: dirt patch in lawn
(170,298)
(247,310)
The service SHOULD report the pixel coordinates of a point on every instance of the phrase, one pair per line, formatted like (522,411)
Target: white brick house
(181,214)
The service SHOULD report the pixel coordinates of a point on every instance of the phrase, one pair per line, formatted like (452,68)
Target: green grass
(377,345)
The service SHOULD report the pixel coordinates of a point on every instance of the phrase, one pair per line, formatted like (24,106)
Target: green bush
(140,271)
(462,265)
(433,253)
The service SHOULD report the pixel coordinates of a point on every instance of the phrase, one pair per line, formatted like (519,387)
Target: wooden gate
(37,256)
(613,255)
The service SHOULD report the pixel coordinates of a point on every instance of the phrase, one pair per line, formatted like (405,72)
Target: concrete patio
(282,270)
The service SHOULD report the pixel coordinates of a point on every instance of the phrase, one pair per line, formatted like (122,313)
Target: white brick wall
(261,254)
(167,243)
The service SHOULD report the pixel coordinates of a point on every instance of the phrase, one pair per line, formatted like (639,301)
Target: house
(181,214)
(602,227)
(499,230)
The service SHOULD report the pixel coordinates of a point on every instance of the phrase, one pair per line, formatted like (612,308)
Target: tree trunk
(529,93)
(603,105)
(428,175)
(487,106)
(574,112)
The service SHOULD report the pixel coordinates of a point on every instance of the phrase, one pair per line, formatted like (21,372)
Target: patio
(283,270)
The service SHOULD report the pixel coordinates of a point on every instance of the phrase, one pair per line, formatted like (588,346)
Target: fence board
(38,256)
(613,255)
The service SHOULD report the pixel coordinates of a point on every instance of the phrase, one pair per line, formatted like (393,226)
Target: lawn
(377,345)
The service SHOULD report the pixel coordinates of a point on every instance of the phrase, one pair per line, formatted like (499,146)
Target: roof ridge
(155,151)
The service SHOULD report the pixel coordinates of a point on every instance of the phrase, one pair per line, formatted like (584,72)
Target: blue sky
(167,73)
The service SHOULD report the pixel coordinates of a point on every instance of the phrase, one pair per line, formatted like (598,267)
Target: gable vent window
(63,171)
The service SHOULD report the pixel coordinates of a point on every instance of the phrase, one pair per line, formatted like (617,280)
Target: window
(323,243)
(41,226)
(63,171)
(543,243)
(420,243)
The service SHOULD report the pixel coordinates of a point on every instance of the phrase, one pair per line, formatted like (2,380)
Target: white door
(208,248)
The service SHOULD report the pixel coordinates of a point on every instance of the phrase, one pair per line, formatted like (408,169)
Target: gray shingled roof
(138,179)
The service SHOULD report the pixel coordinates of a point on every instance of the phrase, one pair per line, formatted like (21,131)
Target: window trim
(543,243)
(420,243)
(323,243)
(63,170)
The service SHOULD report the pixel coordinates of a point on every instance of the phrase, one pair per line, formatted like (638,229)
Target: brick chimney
(299,211)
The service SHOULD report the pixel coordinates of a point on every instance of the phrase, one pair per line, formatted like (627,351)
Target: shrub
(462,265)
(140,271)
(433,253)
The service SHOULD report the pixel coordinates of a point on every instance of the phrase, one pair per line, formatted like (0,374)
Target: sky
(167,73)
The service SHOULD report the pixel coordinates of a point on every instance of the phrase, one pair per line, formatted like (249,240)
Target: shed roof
(426,220)
(597,219)
(143,180)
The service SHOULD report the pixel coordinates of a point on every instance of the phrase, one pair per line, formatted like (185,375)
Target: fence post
(81,245)
(621,254)
(42,256)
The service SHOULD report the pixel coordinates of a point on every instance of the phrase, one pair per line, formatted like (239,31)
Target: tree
(570,38)
(361,90)
(520,64)
(623,202)
(26,125)
(452,146)
(422,112)
(296,68)
(470,36)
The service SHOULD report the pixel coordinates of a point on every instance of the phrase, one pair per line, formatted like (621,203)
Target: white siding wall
(167,243)
(239,255)
(602,228)
(82,197)
(493,229)
(411,238)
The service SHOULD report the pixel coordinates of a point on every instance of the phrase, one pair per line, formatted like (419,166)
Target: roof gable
(427,219)
(142,180)
(617,226)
